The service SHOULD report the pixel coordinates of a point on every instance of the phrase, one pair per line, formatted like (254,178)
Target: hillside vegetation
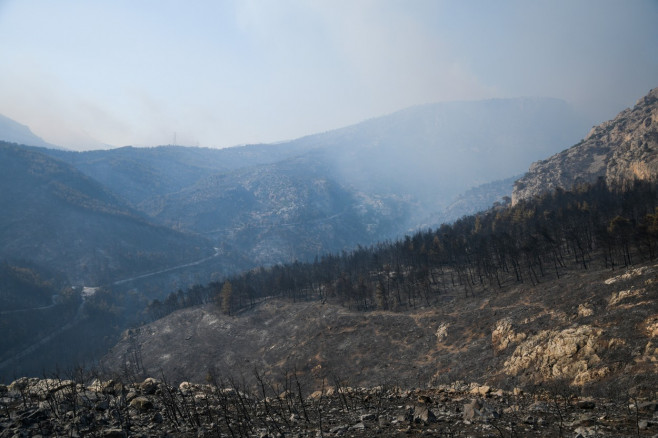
(33,303)
(530,242)
(562,287)
(23,287)
(553,294)
(58,218)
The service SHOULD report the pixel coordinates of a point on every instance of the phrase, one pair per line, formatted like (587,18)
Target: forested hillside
(556,289)
(24,287)
(33,303)
(141,174)
(533,241)
(58,218)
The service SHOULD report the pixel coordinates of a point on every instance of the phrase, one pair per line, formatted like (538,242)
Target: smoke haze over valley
(328,218)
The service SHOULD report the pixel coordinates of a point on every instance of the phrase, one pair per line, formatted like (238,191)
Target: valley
(574,356)
(316,266)
(142,223)
(328,219)
(332,191)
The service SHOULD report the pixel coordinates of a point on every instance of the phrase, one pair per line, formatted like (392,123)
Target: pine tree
(380,297)
(225,297)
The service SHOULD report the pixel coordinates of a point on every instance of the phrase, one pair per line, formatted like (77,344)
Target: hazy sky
(219,73)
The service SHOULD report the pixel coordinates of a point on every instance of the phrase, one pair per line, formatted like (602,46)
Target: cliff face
(620,150)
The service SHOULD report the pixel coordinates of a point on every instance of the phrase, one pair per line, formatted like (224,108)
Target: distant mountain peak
(14,132)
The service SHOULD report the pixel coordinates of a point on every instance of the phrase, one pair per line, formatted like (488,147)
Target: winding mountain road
(162,271)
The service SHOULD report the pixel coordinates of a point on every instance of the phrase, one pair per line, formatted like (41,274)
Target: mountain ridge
(520,293)
(620,151)
(13,132)
(449,302)
(65,220)
(401,169)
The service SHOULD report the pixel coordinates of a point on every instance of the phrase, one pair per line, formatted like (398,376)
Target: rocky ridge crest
(620,151)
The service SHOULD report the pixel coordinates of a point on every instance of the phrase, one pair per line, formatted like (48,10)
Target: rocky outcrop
(650,351)
(503,335)
(622,296)
(585,311)
(569,353)
(620,151)
(651,325)
(442,332)
(631,273)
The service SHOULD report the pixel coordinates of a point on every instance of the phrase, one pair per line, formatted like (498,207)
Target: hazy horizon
(217,74)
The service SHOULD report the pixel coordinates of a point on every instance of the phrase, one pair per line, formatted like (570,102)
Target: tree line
(530,242)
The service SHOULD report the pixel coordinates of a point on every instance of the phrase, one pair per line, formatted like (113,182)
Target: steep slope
(289,210)
(13,132)
(431,152)
(56,217)
(386,175)
(435,152)
(539,292)
(472,201)
(524,334)
(620,150)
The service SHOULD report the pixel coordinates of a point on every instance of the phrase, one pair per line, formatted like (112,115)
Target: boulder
(19,385)
(114,433)
(149,386)
(423,415)
(141,403)
(481,390)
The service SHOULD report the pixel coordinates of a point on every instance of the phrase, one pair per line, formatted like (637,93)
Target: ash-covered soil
(589,328)
(55,407)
